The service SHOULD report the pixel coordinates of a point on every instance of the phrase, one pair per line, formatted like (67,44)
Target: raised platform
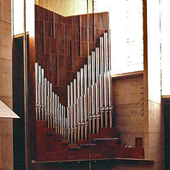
(99,146)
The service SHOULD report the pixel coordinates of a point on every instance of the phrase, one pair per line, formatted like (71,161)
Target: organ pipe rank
(89,103)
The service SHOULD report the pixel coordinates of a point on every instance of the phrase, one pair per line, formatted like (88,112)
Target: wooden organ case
(71,111)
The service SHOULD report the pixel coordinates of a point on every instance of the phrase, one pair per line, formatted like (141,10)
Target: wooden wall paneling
(47,65)
(43,14)
(53,46)
(47,15)
(67,46)
(48,28)
(106,20)
(80,35)
(83,48)
(67,32)
(75,33)
(76,20)
(75,63)
(71,76)
(42,63)
(83,20)
(61,62)
(96,36)
(97,21)
(91,20)
(43,35)
(53,25)
(99,32)
(83,61)
(91,34)
(58,18)
(83,33)
(61,92)
(39,58)
(75,48)
(38,13)
(60,46)
(91,46)
(101,20)
(60,31)
(47,45)
(53,69)
(61,78)
(68,62)
(38,28)
(39,44)
(43,17)
(75,28)
(51,28)
(50,16)
(68,20)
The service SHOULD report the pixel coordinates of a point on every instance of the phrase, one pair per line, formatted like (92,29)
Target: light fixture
(6,112)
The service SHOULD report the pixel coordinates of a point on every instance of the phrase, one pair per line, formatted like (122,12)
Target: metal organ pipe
(89,103)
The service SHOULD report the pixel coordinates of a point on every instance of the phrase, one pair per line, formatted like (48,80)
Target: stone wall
(6,125)
(66,7)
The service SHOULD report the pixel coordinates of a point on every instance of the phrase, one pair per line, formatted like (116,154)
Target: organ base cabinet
(51,147)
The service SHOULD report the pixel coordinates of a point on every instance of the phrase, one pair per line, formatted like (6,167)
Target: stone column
(6,125)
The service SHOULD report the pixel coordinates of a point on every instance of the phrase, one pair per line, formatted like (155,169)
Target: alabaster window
(126,24)
(165,50)
(18,16)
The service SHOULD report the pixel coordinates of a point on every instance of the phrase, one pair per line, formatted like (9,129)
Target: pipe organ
(48,105)
(78,124)
(89,97)
(89,104)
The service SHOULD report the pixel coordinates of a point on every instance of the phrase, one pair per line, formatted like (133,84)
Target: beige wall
(130,122)
(6,125)
(127,104)
(66,7)
(155,116)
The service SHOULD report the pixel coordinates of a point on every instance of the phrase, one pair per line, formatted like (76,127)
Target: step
(74,147)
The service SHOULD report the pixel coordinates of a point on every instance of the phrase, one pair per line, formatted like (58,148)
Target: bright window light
(19,16)
(126,24)
(165,40)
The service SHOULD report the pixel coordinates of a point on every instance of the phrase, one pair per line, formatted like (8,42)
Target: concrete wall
(6,125)
(66,7)
(155,116)
(127,104)
(132,122)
